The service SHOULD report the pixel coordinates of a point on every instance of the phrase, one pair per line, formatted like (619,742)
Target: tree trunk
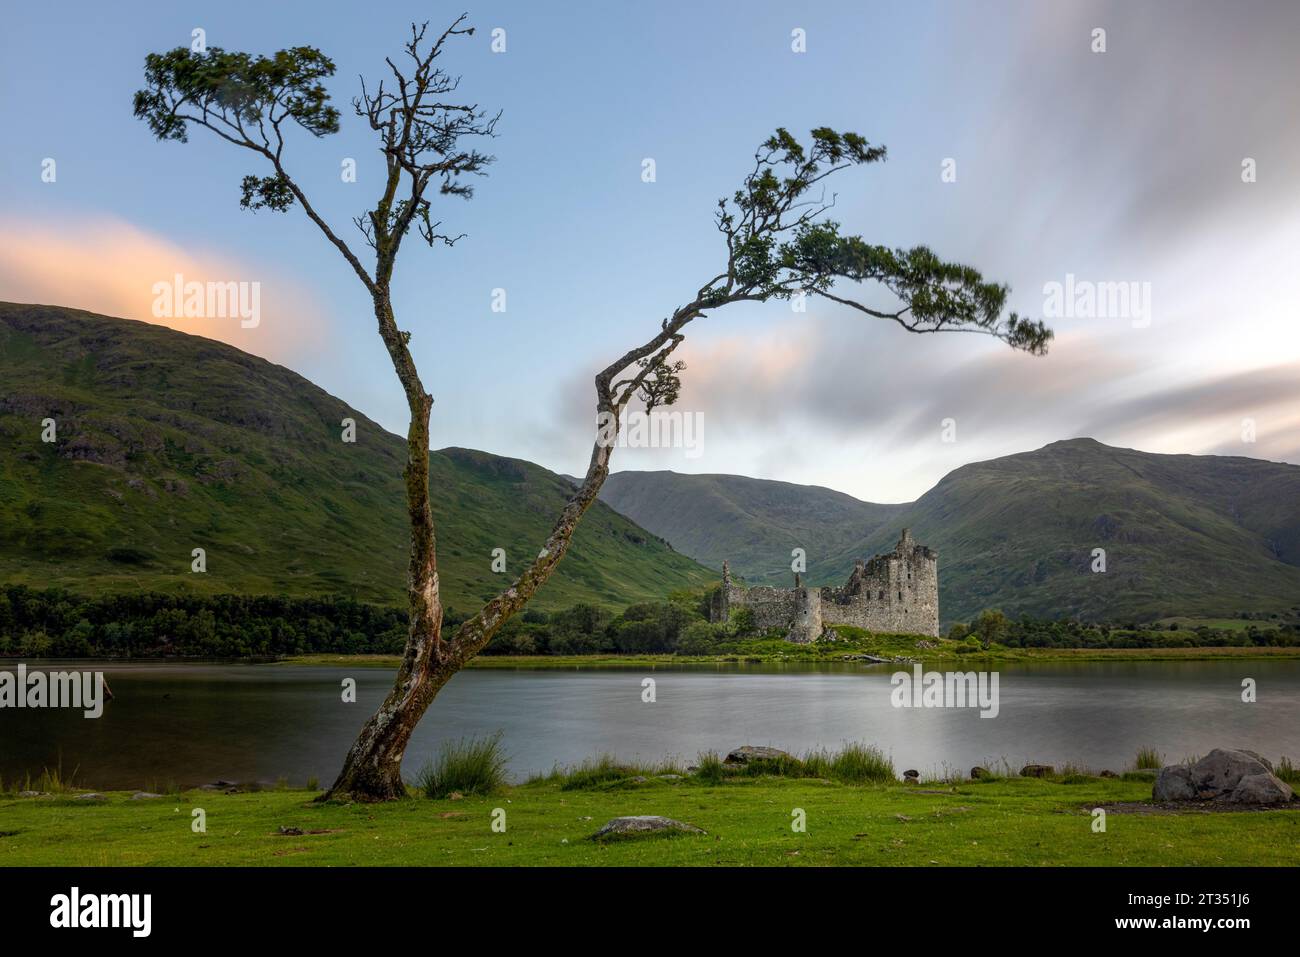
(372,770)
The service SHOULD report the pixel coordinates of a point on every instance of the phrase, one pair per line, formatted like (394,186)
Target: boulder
(641,825)
(978,772)
(1260,758)
(1219,772)
(1232,776)
(1108,773)
(1261,789)
(749,753)
(912,774)
(1174,783)
(1036,770)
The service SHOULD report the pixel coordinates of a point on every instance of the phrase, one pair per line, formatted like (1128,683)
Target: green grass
(604,771)
(1148,759)
(778,652)
(1288,772)
(1013,821)
(468,766)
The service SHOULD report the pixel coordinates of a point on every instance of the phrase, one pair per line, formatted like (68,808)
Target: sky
(1168,162)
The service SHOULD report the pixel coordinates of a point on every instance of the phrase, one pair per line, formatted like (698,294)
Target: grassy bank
(1012,821)
(779,652)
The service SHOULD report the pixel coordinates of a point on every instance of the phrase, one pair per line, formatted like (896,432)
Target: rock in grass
(90,796)
(1219,772)
(1261,789)
(1036,770)
(641,825)
(747,753)
(1233,776)
(33,794)
(1174,783)
(978,772)
(144,796)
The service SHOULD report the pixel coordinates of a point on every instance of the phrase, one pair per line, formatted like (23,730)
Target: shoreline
(1010,656)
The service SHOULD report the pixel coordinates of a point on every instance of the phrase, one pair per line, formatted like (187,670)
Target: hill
(168,442)
(752,523)
(1184,534)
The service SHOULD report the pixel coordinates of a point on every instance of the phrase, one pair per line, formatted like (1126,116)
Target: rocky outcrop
(1233,776)
(642,825)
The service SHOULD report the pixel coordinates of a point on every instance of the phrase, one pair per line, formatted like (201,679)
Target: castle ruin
(894,593)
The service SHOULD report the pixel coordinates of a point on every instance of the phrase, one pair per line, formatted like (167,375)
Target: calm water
(195,723)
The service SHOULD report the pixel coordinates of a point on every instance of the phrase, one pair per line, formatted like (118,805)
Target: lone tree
(778,240)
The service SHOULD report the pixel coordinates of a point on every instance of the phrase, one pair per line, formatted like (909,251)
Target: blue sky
(1115,166)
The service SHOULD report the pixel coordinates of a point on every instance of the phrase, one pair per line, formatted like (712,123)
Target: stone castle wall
(896,592)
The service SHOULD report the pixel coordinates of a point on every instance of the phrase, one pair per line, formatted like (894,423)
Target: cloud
(109,266)
(837,402)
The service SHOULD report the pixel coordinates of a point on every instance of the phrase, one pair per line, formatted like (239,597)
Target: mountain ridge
(167,442)
(1183,533)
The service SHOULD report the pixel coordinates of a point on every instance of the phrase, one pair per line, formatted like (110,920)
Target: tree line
(993,627)
(58,624)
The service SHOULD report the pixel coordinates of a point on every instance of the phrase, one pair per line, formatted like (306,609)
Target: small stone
(90,796)
(290,831)
(455,796)
(641,825)
(669,777)
(1036,770)
(912,773)
(1108,773)
(33,794)
(978,772)
(144,796)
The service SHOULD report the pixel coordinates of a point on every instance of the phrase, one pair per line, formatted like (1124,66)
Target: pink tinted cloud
(110,266)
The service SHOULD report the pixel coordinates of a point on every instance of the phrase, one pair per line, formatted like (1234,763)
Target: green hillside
(752,523)
(1184,534)
(167,442)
